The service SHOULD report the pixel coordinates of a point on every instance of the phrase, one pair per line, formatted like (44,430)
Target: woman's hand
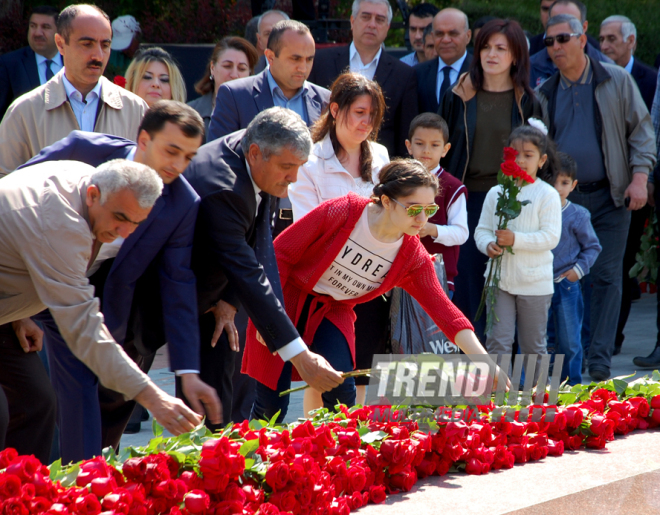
(505,237)
(493,250)
(429,229)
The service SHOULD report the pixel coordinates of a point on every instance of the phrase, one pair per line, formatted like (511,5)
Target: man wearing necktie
(452,34)
(233,257)
(34,65)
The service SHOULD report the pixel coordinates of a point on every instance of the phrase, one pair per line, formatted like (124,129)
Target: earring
(211,77)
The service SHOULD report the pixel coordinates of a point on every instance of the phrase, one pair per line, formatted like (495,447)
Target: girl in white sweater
(526,285)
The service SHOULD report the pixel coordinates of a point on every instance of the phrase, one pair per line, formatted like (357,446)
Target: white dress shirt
(296,346)
(456,231)
(628,67)
(83,108)
(453,73)
(357,66)
(55,66)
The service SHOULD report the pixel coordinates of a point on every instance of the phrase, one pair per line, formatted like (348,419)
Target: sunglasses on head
(561,38)
(416,209)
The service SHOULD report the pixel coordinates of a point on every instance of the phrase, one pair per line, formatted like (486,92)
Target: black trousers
(27,401)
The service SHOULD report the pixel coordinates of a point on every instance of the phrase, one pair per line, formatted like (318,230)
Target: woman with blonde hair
(153,75)
(232,58)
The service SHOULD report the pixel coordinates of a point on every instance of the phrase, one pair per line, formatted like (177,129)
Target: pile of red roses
(333,466)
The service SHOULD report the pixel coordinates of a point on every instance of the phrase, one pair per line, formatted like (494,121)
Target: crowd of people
(258,229)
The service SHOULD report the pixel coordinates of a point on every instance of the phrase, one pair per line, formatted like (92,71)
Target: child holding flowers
(519,226)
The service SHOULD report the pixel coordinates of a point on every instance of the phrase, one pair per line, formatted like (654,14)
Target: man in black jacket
(233,256)
(366,55)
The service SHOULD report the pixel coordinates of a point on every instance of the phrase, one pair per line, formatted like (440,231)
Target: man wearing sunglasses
(541,65)
(595,113)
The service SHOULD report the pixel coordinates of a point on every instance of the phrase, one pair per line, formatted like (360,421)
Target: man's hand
(429,229)
(505,237)
(30,336)
(171,413)
(224,321)
(493,250)
(650,188)
(571,275)
(316,371)
(202,397)
(637,192)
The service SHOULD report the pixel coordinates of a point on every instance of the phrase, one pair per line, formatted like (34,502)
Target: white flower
(538,124)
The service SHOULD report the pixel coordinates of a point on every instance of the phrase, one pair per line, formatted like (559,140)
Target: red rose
(357,478)
(228,508)
(655,402)
(119,81)
(655,415)
(510,154)
(14,507)
(24,467)
(377,494)
(10,486)
(102,486)
(510,168)
(404,480)
(277,475)
(285,501)
(268,509)
(134,469)
(7,456)
(87,505)
(197,501)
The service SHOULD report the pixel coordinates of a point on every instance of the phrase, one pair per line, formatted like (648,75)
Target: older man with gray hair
(55,217)
(237,177)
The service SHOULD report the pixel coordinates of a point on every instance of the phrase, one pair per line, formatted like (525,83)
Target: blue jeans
(565,321)
(330,343)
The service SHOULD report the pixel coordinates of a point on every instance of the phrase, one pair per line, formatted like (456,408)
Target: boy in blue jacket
(575,254)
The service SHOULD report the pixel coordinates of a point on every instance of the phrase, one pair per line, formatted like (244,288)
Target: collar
(437,171)
(131,154)
(57,59)
(257,189)
(456,66)
(628,67)
(272,85)
(568,203)
(352,51)
(585,78)
(71,90)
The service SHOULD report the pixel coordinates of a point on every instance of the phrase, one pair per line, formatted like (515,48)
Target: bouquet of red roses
(511,178)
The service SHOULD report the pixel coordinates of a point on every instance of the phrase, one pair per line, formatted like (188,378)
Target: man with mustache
(77,98)
(31,66)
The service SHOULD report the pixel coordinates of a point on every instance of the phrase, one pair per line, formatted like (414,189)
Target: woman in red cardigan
(347,251)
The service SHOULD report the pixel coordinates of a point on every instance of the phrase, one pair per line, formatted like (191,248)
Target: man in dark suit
(618,40)
(370,24)
(145,283)
(31,66)
(233,255)
(452,34)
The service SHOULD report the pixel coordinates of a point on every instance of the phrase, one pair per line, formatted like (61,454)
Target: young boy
(447,229)
(575,254)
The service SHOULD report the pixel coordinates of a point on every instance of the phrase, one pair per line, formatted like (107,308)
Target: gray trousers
(602,306)
(530,314)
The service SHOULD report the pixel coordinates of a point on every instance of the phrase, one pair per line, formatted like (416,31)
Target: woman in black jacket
(482,109)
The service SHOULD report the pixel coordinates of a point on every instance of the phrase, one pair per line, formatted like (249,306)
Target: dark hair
(344,91)
(479,24)
(581,7)
(278,31)
(517,46)
(68,14)
(567,166)
(424,10)
(172,111)
(428,30)
(400,177)
(529,134)
(46,10)
(251,30)
(205,84)
(429,121)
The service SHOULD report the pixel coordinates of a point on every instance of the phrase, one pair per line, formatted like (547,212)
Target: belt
(590,187)
(286,214)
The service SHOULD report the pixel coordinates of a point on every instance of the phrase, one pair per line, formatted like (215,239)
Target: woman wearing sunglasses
(482,109)
(345,252)
(346,158)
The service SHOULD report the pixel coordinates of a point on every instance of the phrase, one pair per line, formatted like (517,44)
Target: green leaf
(71,474)
(373,436)
(619,386)
(55,469)
(272,422)
(655,376)
(257,424)
(156,428)
(249,447)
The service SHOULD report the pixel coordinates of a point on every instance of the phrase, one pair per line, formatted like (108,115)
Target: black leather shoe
(650,361)
(599,373)
(617,350)
(145,414)
(133,428)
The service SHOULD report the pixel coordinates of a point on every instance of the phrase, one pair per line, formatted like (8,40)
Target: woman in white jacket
(346,158)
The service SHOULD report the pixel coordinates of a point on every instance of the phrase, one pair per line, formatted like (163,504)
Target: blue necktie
(445,82)
(49,72)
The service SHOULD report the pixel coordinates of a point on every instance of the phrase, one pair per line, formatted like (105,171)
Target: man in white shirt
(421,16)
(452,34)
(370,23)
(33,65)
(76,98)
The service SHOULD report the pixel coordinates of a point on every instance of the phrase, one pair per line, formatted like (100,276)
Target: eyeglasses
(416,209)
(561,38)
